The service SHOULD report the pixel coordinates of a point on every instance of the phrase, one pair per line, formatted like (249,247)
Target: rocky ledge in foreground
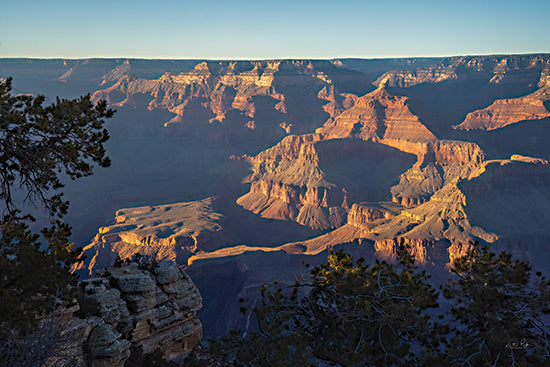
(136,309)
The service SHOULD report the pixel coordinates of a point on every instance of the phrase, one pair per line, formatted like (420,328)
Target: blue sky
(244,29)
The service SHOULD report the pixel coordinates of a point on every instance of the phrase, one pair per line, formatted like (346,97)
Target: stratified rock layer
(496,200)
(160,232)
(378,115)
(144,310)
(504,112)
(314,181)
(490,69)
(220,89)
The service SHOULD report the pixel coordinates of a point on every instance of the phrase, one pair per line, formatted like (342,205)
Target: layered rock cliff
(162,232)
(141,310)
(362,213)
(490,69)
(504,112)
(314,181)
(482,207)
(438,163)
(129,312)
(378,115)
(220,89)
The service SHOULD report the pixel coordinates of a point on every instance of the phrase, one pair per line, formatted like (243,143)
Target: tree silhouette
(497,312)
(38,146)
(352,314)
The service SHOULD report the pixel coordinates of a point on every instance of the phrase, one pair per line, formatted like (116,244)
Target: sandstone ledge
(140,308)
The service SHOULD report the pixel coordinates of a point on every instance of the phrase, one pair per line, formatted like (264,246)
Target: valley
(243,171)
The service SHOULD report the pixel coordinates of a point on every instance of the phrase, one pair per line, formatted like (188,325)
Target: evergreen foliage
(38,146)
(498,309)
(351,314)
(39,143)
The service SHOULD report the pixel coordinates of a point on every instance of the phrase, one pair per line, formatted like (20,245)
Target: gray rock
(136,308)
(105,347)
(167,272)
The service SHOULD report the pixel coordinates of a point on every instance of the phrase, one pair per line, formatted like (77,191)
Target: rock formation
(490,69)
(161,232)
(409,78)
(298,178)
(378,115)
(466,210)
(482,205)
(314,181)
(129,312)
(295,180)
(504,112)
(438,163)
(142,311)
(220,89)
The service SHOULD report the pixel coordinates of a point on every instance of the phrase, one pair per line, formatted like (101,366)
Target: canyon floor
(244,171)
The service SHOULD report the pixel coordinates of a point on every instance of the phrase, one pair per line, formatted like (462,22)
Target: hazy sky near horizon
(245,29)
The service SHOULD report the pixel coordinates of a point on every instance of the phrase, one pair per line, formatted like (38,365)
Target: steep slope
(484,207)
(220,91)
(504,112)
(501,201)
(438,163)
(162,232)
(313,181)
(152,309)
(378,115)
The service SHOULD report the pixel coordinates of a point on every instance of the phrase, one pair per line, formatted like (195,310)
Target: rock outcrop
(438,163)
(140,310)
(315,181)
(362,213)
(162,232)
(409,78)
(489,69)
(378,115)
(126,314)
(504,112)
(216,90)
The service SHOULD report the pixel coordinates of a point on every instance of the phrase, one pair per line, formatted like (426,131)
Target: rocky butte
(242,171)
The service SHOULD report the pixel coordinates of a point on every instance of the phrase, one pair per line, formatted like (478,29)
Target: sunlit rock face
(503,199)
(238,90)
(161,232)
(438,163)
(504,112)
(378,115)
(314,178)
(315,181)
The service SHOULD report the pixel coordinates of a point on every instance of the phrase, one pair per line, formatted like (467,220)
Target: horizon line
(271,59)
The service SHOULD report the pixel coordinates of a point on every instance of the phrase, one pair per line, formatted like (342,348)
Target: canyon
(243,171)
